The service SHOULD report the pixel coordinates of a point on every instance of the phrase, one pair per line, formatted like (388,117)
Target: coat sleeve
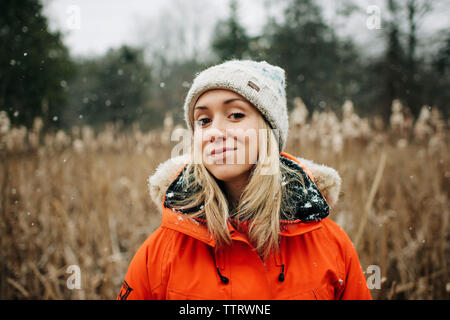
(355,284)
(146,277)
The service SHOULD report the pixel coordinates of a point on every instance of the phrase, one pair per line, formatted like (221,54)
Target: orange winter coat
(316,260)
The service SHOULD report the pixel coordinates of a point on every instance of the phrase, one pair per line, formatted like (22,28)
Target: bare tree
(181,31)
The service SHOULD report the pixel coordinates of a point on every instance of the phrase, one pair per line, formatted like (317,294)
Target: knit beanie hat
(261,83)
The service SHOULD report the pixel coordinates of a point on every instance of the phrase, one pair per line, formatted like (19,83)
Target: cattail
(350,126)
(62,140)
(15,140)
(378,123)
(4,128)
(78,146)
(4,123)
(139,138)
(299,114)
(347,109)
(365,129)
(408,120)
(397,120)
(337,143)
(168,121)
(422,128)
(437,142)
(436,118)
(168,127)
(33,140)
(37,125)
(87,136)
(76,132)
(106,138)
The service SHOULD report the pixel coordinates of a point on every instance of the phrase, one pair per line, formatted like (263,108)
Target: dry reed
(80,199)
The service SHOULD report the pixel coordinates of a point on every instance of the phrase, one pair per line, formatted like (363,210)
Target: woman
(241,219)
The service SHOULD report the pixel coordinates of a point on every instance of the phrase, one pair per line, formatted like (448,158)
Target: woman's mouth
(222,152)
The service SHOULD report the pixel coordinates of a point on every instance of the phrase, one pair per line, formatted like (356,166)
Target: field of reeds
(80,198)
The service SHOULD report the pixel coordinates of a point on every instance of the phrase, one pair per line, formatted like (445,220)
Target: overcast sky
(91,27)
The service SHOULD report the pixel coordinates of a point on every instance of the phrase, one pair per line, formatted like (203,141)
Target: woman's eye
(201,122)
(238,115)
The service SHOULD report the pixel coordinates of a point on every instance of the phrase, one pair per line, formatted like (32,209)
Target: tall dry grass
(81,198)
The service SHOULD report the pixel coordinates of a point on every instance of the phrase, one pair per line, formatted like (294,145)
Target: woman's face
(224,120)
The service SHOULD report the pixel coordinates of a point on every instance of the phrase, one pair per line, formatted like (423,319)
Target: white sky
(110,23)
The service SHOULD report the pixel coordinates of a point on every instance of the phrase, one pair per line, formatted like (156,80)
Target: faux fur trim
(326,178)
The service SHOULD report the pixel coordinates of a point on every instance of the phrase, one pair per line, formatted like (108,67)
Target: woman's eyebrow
(225,102)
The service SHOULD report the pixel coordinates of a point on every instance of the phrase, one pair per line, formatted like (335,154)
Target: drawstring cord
(219,264)
(222,278)
(279,262)
(281,276)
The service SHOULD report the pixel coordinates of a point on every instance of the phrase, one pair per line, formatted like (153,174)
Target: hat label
(252,85)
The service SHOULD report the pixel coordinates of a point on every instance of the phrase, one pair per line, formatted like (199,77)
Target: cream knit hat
(261,83)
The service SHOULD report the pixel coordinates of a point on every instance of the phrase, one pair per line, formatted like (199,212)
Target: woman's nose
(216,132)
(215,135)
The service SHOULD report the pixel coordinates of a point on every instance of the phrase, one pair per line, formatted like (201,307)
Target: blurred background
(91,91)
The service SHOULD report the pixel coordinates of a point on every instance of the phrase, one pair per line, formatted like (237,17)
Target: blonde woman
(241,219)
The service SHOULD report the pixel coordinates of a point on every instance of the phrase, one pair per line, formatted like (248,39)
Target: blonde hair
(259,205)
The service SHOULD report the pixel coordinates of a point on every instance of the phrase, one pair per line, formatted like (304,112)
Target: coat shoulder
(337,235)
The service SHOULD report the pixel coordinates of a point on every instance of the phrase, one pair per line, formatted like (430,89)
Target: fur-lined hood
(325,178)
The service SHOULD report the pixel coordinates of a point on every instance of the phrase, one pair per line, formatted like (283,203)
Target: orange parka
(316,259)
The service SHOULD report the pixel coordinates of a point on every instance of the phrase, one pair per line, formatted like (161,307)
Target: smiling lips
(222,151)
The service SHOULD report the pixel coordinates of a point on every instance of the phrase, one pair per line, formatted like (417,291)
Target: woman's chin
(228,172)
